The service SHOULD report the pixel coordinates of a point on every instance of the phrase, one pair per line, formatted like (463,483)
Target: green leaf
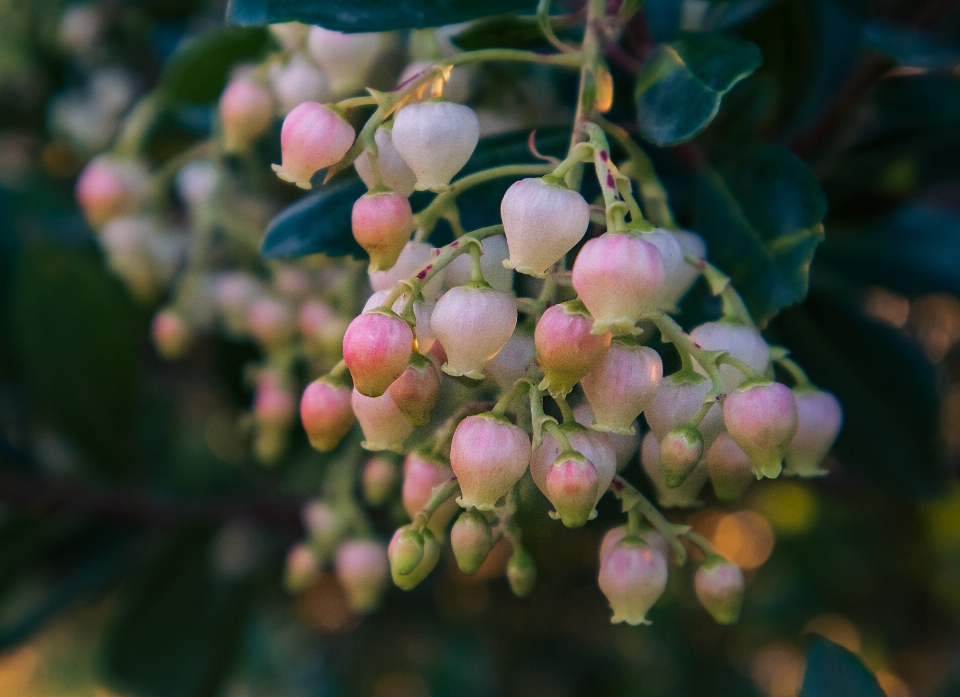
(832,671)
(911,47)
(681,84)
(317,224)
(369,15)
(504,31)
(912,251)
(75,340)
(761,211)
(885,384)
(178,626)
(198,71)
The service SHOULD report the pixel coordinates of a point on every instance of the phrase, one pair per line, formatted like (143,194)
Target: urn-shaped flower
(819,418)
(566,348)
(326,414)
(489,455)
(376,348)
(472,323)
(622,385)
(761,417)
(312,137)
(632,576)
(435,139)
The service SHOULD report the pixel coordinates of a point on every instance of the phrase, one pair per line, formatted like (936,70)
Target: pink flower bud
(459,271)
(682,279)
(107,189)
(742,342)
(361,567)
(313,137)
(301,568)
(673,264)
(271,322)
(274,403)
(379,479)
(680,451)
(542,222)
(384,425)
(415,392)
(435,139)
(762,418)
(326,414)
(322,523)
(421,475)
(730,470)
(489,456)
(345,59)
(382,224)
(292,283)
(632,577)
(654,539)
(594,446)
(618,277)
(719,587)
(171,334)
(625,445)
(521,574)
(572,489)
(394,171)
(246,110)
(512,362)
(473,324)
(566,349)
(431,555)
(422,311)
(406,550)
(622,385)
(297,82)
(471,539)
(818,425)
(678,398)
(683,496)
(377,348)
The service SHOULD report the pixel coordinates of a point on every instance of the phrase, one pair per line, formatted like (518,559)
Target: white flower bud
(435,139)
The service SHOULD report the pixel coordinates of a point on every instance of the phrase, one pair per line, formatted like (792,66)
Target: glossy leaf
(681,84)
(833,671)
(761,213)
(885,384)
(199,70)
(503,31)
(369,15)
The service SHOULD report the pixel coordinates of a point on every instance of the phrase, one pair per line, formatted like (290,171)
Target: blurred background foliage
(141,548)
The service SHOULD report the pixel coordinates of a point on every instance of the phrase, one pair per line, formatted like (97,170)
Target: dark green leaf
(369,15)
(504,31)
(832,671)
(909,46)
(317,224)
(198,71)
(75,340)
(177,627)
(912,251)
(681,84)
(887,387)
(760,211)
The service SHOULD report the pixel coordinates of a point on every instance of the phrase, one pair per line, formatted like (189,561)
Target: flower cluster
(526,346)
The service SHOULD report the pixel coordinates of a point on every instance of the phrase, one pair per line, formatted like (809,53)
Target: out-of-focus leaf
(75,340)
(886,385)
(504,31)
(761,212)
(198,71)
(370,15)
(725,14)
(176,629)
(681,84)
(663,18)
(317,224)
(320,223)
(833,671)
(909,46)
(914,250)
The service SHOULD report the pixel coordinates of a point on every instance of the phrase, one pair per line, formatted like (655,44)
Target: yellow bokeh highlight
(777,669)
(943,521)
(837,629)
(791,507)
(744,537)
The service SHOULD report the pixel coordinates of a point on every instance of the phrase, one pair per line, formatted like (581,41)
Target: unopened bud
(680,451)
(415,392)
(313,137)
(471,539)
(302,567)
(326,414)
(761,417)
(572,489)
(489,455)
(171,334)
(382,223)
(428,560)
(361,567)
(632,576)
(246,110)
(719,587)
(376,348)
(566,348)
(521,573)
(379,480)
